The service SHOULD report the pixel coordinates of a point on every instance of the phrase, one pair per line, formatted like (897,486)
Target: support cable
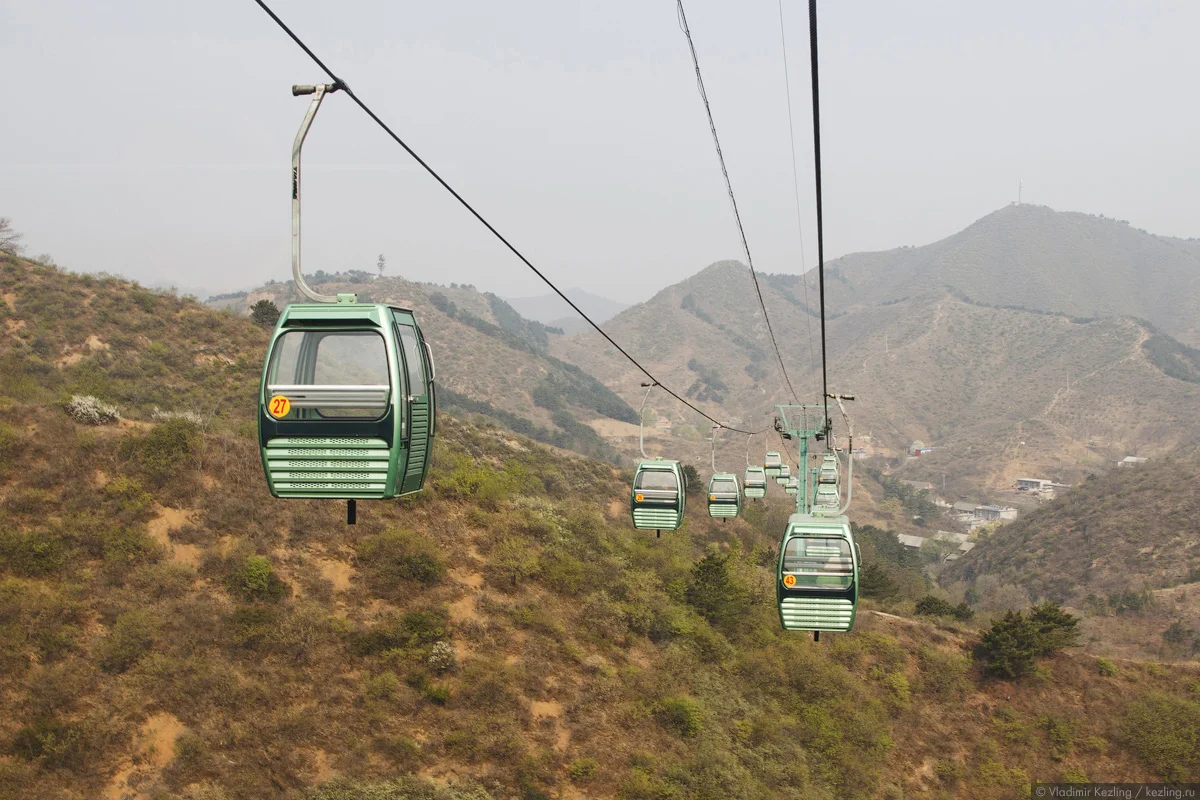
(787,83)
(712,126)
(816,108)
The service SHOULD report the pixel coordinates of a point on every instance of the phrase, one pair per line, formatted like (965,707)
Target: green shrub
(682,716)
(396,556)
(127,547)
(475,480)
(1164,731)
(400,750)
(899,693)
(1060,733)
(489,686)
(131,499)
(438,693)
(416,630)
(11,443)
(255,579)
(582,770)
(1073,774)
(54,743)
(33,554)
(252,626)
(405,788)
(167,449)
(643,786)
(562,572)
(382,687)
(934,606)
(191,752)
(513,560)
(131,637)
(29,501)
(948,771)
(943,675)
(1106,668)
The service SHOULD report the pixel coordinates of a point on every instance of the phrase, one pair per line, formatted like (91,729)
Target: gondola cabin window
(657,480)
(819,558)
(412,358)
(724,487)
(330,374)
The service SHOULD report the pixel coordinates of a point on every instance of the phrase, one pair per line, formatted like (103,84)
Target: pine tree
(264,313)
(1009,646)
(876,582)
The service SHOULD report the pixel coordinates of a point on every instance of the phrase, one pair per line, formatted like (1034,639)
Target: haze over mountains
(552,310)
(1037,258)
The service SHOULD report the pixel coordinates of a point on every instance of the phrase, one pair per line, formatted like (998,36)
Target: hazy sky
(152,138)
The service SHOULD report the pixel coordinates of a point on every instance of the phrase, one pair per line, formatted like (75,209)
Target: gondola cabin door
(419,412)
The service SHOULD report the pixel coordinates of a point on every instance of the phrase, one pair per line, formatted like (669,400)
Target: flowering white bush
(88,410)
(442,657)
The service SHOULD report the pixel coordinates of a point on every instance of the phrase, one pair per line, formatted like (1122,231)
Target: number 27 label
(279,406)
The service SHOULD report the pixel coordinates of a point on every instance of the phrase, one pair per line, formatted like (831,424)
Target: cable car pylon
(817,575)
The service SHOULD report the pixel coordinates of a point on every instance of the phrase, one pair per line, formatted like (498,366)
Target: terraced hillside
(169,630)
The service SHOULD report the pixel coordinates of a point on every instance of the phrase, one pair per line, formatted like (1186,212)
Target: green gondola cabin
(754,482)
(724,497)
(773,463)
(347,405)
(785,475)
(817,575)
(829,470)
(658,496)
(827,496)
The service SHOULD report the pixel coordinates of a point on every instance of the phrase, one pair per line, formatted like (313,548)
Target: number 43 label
(279,406)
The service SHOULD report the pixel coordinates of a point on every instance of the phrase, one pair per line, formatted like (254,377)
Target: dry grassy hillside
(1122,549)
(1004,393)
(169,630)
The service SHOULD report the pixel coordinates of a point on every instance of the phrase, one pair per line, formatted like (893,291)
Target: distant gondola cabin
(724,496)
(755,482)
(659,493)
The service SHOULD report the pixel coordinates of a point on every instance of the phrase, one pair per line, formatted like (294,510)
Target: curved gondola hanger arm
(641,418)
(840,398)
(713,439)
(318,93)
